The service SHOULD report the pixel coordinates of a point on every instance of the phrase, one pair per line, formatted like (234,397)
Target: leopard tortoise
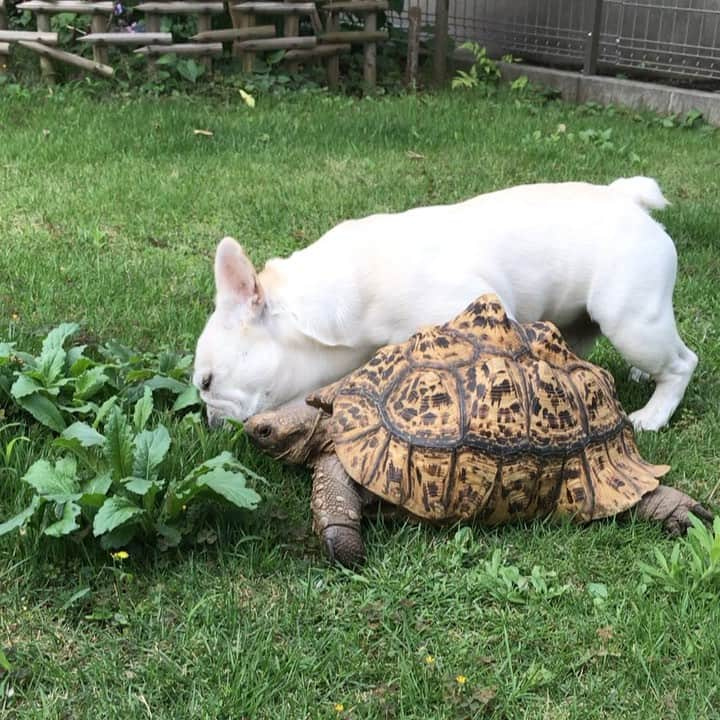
(479,418)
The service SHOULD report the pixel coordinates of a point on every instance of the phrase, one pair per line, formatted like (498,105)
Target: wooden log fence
(326,41)
(51,53)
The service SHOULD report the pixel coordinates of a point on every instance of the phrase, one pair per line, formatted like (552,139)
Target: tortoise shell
(486,417)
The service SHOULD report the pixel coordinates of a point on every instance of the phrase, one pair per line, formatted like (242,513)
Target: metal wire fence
(672,38)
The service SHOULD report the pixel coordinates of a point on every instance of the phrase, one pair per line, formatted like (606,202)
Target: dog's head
(239,360)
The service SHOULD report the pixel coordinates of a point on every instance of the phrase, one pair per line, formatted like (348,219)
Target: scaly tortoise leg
(337,511)
(671,507)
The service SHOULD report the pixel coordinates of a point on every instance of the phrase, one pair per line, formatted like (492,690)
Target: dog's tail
(643,191)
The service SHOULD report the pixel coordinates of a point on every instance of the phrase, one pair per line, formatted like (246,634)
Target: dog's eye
(206,381)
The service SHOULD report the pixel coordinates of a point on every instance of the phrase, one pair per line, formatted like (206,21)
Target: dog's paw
(639,376)
(644,420)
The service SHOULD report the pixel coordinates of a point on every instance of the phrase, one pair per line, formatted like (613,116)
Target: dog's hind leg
(649,341)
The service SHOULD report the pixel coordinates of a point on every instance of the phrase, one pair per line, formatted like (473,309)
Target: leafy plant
(61,384)
(483,71)
(693,565)
(186,68)
(601,139)
(506,583)
(113,483)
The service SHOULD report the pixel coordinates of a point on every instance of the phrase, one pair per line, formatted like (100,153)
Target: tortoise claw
(674,527)
(344,545)
(701,512)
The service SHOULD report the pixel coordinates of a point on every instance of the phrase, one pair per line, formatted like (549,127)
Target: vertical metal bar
(592,43)
(442,9)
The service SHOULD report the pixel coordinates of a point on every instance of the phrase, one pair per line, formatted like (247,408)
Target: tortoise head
(295,432)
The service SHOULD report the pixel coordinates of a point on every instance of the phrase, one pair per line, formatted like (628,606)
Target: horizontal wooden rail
(230,34)
(125,38)
(68,58)
(65,6)
(356,6)
(319,51)
(354,36)
(283,43)
(46,38)
(182,49)
(275,8)
(181,8)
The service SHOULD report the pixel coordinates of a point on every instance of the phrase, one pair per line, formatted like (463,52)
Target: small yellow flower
(460,679)
(120,555)
(429,659)
(15,317)
(339,707)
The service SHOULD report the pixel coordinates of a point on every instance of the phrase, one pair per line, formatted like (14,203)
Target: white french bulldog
(587,257)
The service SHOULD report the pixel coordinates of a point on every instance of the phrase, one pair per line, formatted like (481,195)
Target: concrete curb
(576,87)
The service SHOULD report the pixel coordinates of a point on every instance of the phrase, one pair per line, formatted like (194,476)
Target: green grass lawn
(109,215)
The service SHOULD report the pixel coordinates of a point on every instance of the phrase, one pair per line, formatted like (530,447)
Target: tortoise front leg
(337,511)
(671,507)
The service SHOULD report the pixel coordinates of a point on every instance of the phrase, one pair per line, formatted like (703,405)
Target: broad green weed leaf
(161,382)
(67,523)
(56,338)
(143,410)
(24,386)
(151,446)
(100,484)
(44,411)
(22,517)
(50,365)
(119,537)
(4,663)
(231,485)
(187,398)
(118,444)
(58,483)
(76,361)
(90,383)
(104,409)
(84,433)
(139,486)
(115,511)
(94,492)
(84,409)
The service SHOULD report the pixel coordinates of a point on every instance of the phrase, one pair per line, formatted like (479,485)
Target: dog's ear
(236,281)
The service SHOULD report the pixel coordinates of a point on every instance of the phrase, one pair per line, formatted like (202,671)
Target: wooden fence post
(99,24)
(370,54)
(291,28)
(442,11)
(46,65)
(592,43)
(413,54)
(332,25)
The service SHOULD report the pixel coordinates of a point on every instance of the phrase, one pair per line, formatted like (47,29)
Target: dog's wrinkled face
(238,362)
